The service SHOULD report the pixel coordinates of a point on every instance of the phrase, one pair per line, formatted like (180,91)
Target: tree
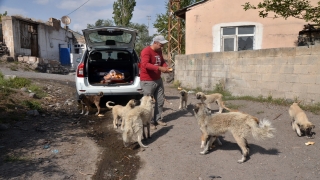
(4,14)
(161,23)
(101,22)
(301,9)
(122,10)
(143,38)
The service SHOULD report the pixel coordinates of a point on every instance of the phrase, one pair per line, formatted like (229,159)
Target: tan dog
(87,100)
(183,99)
(118,111)
(239,124)
(136,119)
(211,98)
(300,121)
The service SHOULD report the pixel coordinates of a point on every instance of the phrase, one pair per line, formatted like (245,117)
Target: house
(223,25)
(41,41)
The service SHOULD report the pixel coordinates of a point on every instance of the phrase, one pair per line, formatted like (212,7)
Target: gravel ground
(173,151)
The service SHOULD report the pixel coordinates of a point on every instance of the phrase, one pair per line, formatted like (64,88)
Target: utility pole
(174,32)
(149,18)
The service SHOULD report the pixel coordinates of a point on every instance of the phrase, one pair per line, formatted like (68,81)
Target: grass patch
(176,83)
(13,158)
(38,90)
(31,104)
(17,82)
(220,88)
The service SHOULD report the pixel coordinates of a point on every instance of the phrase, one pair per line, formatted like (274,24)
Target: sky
(82,12)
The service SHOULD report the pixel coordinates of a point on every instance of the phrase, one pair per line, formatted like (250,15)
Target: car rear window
(103,36)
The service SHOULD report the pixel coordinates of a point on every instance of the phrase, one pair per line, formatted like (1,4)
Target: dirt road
(90,148)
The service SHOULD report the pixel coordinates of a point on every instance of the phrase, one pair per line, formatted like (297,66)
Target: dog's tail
(109,106)
(222,104)
(261,129)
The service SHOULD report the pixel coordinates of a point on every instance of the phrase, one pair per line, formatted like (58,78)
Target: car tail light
(80,72)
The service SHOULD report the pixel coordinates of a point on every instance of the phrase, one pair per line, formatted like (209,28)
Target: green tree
(101,22)
(122,10)
(143,38)
(301,9)
(4,14)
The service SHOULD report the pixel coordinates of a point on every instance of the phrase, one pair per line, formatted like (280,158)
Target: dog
(137,119)
(118,111)
(88,100)
(183,99)
(300,122)
(239,124)
(211,98)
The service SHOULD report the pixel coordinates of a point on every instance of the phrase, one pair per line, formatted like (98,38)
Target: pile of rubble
(43,65)
(3,49)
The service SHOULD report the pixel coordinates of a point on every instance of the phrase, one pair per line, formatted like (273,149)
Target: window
(237,38)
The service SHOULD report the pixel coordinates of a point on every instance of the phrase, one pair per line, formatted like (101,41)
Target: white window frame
(236,37)
(217,40)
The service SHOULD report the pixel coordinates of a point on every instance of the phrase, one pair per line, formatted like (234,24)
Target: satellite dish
(65,20)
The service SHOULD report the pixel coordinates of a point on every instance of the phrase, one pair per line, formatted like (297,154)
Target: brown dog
(211,98)
(88,100)
(300,121)
(239,124)
(118,111)
(183,99)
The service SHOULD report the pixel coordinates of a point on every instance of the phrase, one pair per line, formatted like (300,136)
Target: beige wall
(287,73)
(204,21)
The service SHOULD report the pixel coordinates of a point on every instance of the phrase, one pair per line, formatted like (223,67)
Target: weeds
(176,83)
(220,88)
(32,104)
(13,158)
(38,90)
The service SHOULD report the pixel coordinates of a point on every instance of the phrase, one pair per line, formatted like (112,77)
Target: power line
(78,7)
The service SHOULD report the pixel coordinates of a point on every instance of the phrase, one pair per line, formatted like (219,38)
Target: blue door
(65,56)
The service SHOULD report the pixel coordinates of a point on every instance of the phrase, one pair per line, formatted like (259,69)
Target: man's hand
(164,69)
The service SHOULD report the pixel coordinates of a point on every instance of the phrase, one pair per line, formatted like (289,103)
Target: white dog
(136,119)
(118,111)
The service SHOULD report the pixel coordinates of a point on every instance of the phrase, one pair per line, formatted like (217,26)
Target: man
(151,67)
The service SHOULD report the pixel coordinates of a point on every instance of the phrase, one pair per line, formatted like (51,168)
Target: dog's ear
(196,108)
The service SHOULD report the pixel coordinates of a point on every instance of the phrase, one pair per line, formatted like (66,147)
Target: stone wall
(288,73)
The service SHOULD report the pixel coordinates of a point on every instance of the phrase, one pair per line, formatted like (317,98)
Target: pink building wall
(204,22)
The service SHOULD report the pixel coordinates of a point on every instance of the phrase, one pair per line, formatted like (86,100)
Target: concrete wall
(8,33)
(204,23)
(50,36)
(281,72)
(49,40)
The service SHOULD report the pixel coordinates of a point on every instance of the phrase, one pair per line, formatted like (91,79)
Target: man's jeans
(156,89)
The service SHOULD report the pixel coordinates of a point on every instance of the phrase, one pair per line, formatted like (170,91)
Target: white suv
(109,50)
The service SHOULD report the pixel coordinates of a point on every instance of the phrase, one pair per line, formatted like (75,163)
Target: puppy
(300,122)
(136,119)
(118,111)
(88,100)
(183,99)
(239,124)
(211,98)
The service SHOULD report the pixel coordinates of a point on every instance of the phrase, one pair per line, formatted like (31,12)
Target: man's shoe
(153,127)
(160,122)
